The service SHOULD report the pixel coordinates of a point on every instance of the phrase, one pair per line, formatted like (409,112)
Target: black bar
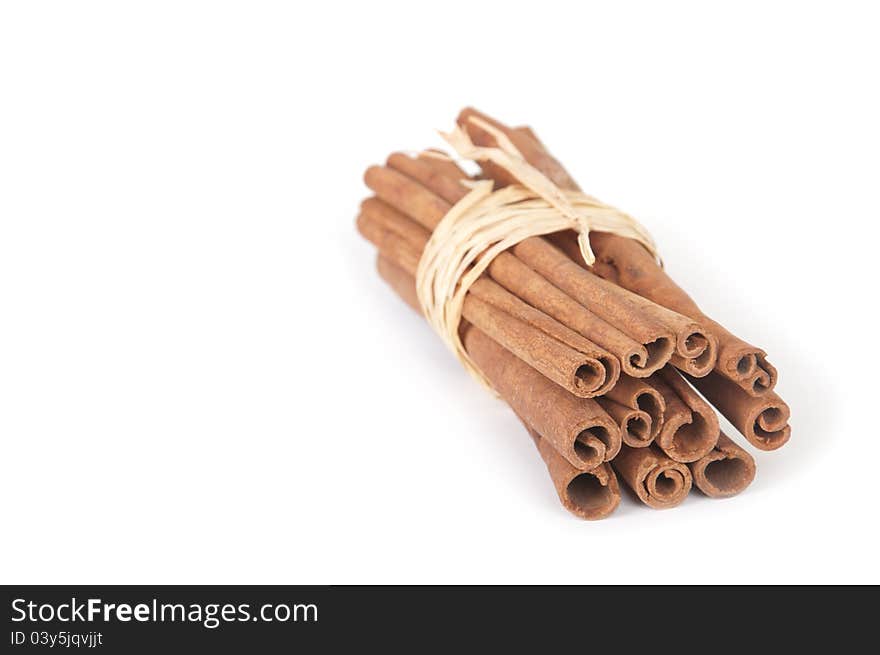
(267,619)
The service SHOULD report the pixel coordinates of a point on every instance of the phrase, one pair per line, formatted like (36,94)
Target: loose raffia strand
(485,223)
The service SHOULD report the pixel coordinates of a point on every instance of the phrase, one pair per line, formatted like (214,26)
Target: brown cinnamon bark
(763,420)
(562,355)
(591,495)
(628,264)
(638,394)
(658,481)
(725,471)
(640,354)
(634,424)
(690,425)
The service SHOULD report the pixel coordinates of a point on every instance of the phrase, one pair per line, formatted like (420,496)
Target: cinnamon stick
(657,481)
(562,355)
(591,494)
(576,427)
(690,425)
(763,420)
(725,471)
(695,350)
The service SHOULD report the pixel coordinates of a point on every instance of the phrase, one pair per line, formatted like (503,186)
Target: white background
(203,379)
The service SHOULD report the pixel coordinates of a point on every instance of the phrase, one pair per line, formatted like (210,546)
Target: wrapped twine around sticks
(486,222)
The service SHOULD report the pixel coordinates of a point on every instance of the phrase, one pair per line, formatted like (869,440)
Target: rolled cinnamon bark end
(591,495)
(580,374)
(745,365)
(763,420)
(635,424)
(599,369)
(657,480)
(638,394)
(577,428)
(648,358)
(725,471)
(696,352)
(690,426)
(595,376)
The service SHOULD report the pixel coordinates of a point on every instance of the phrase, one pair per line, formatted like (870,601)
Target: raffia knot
(486,222)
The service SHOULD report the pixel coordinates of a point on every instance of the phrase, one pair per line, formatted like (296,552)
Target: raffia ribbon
(486,222)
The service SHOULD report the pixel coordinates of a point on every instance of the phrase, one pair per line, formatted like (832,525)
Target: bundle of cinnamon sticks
(612,368)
